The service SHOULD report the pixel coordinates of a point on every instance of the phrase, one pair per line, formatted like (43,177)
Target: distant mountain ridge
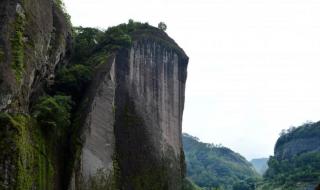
(260,164)
(211,166)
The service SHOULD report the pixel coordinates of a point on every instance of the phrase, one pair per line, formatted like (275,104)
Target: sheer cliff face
(33,40)
(132,132)
(150,98)
(94,167)
(297,141)
(155,83)
(297,146)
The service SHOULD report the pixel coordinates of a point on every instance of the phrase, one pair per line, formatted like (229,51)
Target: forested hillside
(211,166)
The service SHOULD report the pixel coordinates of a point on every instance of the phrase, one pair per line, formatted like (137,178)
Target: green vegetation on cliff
(72,81)
(22,141)
(53,113)
(210,166)
(43,144)
(17,45)
(91,48)
(296,164)
(85,41)
(304,169)
(306,131)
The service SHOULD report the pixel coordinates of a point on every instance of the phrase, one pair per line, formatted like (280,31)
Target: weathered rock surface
(150,102)
(296,160)
(132,129)
(97,133)
(297,146)
(34,36)
(300,140)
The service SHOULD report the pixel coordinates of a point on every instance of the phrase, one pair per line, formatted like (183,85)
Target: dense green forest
(216,167)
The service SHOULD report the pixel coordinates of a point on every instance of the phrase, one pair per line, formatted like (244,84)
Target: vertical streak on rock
(145,87)
(149,102)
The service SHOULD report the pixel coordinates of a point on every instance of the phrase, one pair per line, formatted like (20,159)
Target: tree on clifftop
(162,26)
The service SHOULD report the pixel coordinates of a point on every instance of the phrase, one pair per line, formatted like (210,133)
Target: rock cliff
(34,39)
(296,160)
(132,129)
(110,120)
(299,140)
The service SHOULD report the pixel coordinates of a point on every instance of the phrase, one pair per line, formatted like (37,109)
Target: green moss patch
(28,153)
(17,46)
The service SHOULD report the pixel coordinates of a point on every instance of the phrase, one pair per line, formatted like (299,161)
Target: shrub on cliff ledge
(119,36)
(53,113)
(72,81)
(84,42)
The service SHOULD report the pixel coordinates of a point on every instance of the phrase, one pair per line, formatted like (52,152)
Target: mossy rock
(23,147)
(18,46)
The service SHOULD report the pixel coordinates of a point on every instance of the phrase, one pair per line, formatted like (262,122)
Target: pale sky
(254,65)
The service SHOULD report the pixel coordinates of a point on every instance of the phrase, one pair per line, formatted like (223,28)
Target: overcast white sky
(254,64)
